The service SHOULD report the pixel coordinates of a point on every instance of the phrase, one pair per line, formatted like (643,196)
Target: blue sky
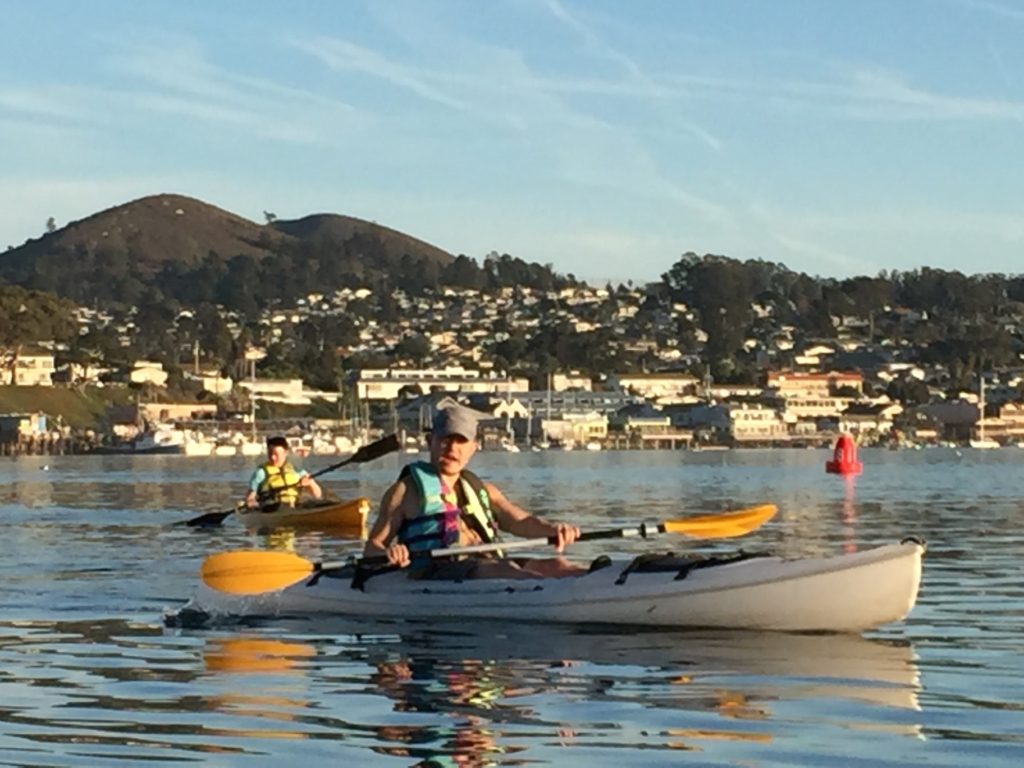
(603,137)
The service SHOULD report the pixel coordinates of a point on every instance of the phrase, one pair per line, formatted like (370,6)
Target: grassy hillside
(80,409)
(147,234)
(152,231)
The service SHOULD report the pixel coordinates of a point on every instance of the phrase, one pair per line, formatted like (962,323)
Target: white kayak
(844,593)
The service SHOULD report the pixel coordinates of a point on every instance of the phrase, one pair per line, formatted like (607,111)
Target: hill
(339,229)
(154,230)
(131,244)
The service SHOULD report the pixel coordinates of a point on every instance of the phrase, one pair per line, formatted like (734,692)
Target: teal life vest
(436,524)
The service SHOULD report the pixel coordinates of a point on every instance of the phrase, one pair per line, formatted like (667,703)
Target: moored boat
(321,514)
(158,441)
(844,593)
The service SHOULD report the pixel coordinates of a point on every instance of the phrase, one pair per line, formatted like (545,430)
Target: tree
(719,289)
(269,217)
(415,347)
(51,225)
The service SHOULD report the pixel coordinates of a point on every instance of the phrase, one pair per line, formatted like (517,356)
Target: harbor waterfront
(95,569)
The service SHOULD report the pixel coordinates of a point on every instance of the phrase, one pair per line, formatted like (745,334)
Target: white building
(756,423)
(33,369)
(286,391)
(388,383)
(655,386)
(148,372)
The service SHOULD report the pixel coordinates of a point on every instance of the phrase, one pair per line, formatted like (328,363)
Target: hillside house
(869,418)
(212,382)
(32,369)
(148,372)
(1006,425)
(799,384)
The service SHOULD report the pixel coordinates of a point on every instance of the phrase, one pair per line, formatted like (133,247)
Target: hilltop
(336,228)
(154,230)
(171,233)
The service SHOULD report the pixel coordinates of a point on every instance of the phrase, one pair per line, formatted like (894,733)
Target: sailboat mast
(549,396)
(981,406)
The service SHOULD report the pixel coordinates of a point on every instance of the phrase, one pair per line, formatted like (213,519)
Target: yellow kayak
(321,514)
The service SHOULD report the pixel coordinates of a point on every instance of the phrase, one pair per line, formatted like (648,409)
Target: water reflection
(249,654)
(473,698)
(849,516)
(465,695)
(738,678)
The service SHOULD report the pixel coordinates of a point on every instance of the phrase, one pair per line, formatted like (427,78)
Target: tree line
(212,304)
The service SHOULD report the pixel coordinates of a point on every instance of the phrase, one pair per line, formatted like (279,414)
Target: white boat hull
(845,593)
(984,444)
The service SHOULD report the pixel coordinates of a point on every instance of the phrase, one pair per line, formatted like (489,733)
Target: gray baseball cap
(455,420)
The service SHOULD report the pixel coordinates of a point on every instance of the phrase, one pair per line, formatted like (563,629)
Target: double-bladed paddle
(250,572)
(368,452)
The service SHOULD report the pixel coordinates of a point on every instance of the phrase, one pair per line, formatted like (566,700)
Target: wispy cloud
(180,80)
(828,259)
(884,95)
(594,41)
(999,9)
(860,92)
(638,80)
(608,253)
(814,237)
(47,102)
(28,201)
(905,221)
(175,78)
(344,56)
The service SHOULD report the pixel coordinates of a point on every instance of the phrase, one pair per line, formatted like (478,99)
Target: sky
(602,137)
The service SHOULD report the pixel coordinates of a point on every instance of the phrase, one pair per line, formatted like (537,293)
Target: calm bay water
(89,674)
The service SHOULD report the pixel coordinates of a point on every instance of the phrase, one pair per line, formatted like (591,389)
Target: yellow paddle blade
(251,571)
(725,525)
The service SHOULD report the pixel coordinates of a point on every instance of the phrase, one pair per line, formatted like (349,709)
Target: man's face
(450,454)
(277,455)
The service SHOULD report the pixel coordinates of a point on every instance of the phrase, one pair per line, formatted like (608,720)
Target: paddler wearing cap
(439,503)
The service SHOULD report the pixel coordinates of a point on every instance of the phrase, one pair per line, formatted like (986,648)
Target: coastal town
(458,343)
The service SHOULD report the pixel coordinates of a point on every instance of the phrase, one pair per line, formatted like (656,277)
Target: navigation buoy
(844,459)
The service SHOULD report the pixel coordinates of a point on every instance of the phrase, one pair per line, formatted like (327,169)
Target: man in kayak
(277,481)
(440,503)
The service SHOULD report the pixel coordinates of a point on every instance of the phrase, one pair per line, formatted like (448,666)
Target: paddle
(368,452)
(250,572)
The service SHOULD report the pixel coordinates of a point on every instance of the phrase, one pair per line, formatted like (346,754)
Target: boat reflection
(480,688)
(845,666)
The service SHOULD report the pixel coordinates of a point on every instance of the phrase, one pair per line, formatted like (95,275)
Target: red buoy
(844,459)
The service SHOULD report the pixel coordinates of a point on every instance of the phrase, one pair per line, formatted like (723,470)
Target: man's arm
(388,523)
(307,483)
(516,520)
(257,478)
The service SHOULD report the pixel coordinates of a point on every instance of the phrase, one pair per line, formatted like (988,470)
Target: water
(90,675)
